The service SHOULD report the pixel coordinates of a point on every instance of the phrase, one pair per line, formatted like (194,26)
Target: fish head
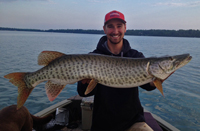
(163,67)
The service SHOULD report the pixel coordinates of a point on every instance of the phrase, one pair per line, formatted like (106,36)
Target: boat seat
(152,122)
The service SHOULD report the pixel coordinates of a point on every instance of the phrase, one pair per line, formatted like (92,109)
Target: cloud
(7,0)
(186,4)
(101,1)
(20,0)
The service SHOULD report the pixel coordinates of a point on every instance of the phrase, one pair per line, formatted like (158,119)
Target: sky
(89,14)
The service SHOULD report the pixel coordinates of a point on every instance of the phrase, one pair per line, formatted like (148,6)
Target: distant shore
(151,32)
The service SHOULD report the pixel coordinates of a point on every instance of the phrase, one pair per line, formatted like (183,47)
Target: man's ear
(104,29)
(125,27)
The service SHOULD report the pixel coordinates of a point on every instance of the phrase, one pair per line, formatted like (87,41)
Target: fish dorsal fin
(53,90)
(45,57)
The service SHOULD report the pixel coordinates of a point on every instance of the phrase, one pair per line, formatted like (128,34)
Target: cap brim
(115,19)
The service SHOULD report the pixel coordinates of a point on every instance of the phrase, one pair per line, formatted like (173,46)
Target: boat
(75,114)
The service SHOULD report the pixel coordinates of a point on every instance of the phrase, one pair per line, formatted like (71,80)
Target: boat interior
(75,114)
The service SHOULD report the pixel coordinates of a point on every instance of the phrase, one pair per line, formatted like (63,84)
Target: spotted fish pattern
(118,72)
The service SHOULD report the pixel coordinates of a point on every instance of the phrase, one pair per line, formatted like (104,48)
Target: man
(116,109)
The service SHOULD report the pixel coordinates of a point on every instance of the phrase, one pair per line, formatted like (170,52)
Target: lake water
(180,106)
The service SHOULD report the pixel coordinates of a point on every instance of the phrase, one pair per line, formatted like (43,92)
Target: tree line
(151,32)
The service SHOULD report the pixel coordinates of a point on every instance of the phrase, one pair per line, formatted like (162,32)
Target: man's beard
(115,43)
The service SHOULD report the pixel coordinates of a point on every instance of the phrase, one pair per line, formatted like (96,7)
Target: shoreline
(152,32)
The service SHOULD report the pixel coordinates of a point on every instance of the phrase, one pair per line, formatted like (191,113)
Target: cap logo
(114,14)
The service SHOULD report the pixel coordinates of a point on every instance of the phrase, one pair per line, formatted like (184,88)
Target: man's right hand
(84,81)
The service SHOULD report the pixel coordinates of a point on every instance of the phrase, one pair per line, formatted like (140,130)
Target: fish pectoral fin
(53,90)
(158,84)
(46,57)
(91,86)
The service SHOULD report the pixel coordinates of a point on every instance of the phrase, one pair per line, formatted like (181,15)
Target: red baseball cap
(114,15)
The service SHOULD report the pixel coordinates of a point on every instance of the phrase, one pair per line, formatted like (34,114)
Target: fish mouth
(189,58)
(183,60)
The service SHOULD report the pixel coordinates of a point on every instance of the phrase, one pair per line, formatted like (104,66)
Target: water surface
(180,106)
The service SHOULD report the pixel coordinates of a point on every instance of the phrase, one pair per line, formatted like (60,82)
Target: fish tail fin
(17,79)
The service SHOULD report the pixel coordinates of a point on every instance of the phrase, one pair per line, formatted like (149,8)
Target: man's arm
(149,86)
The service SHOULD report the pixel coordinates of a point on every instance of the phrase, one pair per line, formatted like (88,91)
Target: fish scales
(117,72)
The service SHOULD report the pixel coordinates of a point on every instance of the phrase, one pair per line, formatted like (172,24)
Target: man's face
(115,30)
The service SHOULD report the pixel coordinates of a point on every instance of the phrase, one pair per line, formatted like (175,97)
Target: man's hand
(84,81)
(152,84)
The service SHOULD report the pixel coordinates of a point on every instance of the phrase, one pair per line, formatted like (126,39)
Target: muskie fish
(119,72)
